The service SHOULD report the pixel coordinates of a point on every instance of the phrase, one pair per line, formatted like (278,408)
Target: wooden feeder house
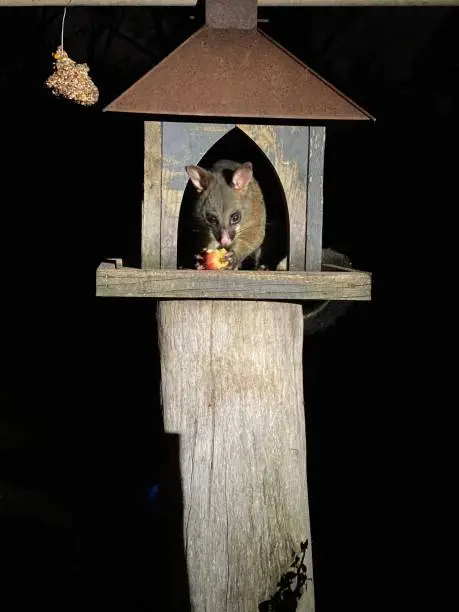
(231,342)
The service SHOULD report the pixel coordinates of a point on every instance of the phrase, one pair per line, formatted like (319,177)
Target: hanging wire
(62,27)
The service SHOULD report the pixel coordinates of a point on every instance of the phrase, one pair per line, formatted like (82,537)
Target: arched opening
(237,146)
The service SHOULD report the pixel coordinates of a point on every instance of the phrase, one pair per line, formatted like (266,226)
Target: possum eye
(211,219)
(235,218)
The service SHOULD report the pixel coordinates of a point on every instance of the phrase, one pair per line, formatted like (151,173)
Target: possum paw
(233,262)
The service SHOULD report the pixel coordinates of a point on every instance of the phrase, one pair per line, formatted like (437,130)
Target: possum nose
(225,240)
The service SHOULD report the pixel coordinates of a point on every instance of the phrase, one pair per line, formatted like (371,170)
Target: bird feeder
(231,341)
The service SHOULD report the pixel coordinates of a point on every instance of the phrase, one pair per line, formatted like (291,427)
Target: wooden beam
(261,3)
(315,199)
(151,205)
(245,285)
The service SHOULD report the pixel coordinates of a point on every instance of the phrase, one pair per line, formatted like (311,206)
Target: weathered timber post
(231,341)
(232,388)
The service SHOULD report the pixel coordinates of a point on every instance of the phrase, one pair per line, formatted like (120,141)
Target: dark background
(80,435)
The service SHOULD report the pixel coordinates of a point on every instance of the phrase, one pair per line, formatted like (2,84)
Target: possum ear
(199,177)
(242,176)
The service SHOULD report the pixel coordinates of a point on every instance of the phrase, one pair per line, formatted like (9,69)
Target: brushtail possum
(230,209)
(230,212)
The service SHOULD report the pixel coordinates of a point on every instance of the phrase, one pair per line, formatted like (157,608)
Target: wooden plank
(151,205)
(183,144)
(287,149)
(247,285)
(315,199)
(267,3)
(239,415)
(97,3)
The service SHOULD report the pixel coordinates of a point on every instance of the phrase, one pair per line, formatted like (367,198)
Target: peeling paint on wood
(296,154)
(287,149)
(183,144)
(314,211)
(151,205)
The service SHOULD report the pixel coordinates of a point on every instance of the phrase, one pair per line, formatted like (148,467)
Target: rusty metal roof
(238,73)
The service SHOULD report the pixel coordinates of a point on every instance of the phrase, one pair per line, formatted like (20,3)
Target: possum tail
(319,315)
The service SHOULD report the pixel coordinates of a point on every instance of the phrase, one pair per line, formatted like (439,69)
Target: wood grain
(232,390)
(315,199)
(151,205)
(247,285)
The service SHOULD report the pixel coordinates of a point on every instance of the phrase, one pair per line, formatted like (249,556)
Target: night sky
(80,430)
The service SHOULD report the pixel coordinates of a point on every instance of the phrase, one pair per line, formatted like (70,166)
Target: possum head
(222,205)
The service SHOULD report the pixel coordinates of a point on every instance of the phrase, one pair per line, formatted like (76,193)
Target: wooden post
(314,208)
(151,204)
(232,389)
